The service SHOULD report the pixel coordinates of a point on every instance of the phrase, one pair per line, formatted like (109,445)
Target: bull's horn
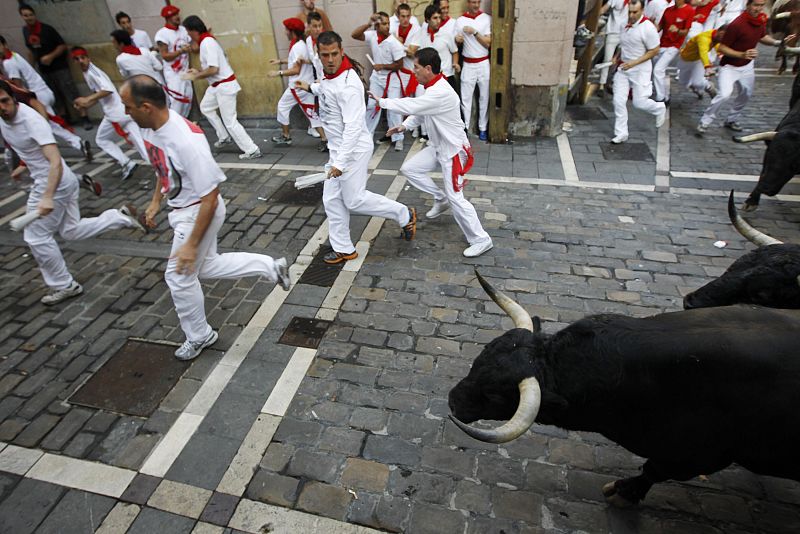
(517,313)
(763,136)
(530,398)
(784,15)
(758,238)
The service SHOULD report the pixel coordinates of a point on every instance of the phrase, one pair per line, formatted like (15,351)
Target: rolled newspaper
(24,220)
(371,62)
(302,182)
(601,66)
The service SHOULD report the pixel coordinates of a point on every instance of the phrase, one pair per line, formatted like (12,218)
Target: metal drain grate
(303,332)
(585,113)
(319,273)
(626,151)
(134,380)
(288,194)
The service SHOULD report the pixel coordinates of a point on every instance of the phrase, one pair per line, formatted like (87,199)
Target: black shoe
(86,150)
(333,257)
(87,124)
(385,139)
(91,185)
(410,230)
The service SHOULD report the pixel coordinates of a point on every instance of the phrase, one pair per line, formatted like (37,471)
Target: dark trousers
(63,87)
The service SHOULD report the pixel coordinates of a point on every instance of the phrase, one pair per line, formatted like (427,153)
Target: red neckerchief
(313,41)
(471,16)
(435,79)
(8,54)
(171,26)
(431,33)
(403,34)
(343,67)
(760,20)
(445,21)
(294,40)
(381,38)
(204,35)
(33,34)
(636,23)
(130,49)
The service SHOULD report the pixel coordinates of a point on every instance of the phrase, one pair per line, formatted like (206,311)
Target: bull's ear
(537,323)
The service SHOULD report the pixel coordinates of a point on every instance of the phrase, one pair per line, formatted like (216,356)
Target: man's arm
(358,33)
(170,56)
(57,52)
(194,74)
(86,102)
(53,178)
(186,256)
(427,104)
(650,54)
(397,65)
(154,207)
(726,50)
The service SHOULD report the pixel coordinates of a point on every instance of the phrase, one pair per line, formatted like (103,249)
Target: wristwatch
(280,73)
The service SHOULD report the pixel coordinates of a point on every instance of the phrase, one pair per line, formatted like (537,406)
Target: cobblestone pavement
(261,436)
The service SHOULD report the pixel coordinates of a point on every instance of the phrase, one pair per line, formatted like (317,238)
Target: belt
(187,206)
(475,59)
(228,79)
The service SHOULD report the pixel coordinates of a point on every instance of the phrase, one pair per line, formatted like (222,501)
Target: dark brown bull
(784,21)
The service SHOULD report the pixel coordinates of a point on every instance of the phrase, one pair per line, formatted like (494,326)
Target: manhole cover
(626,151)
(287,193)
(319,273)
(585,113)
(303,332)
(134,380)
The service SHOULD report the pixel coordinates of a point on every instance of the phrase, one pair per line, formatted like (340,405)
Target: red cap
(169,11)
(294,24)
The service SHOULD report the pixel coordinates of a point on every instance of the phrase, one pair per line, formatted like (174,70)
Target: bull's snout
(688,302)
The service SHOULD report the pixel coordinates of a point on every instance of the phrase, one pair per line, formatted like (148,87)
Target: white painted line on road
(232,165)
(81,474)
(567,161)
(663,154)
(166,452)
(12,198)
(286,387)
(377,155)
(243,465)
(18,460)
(713,193)
(716,176)
(251,516)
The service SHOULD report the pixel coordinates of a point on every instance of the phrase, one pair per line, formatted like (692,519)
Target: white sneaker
(313,133)
(255,154)
(222,142)
(283,274)
(128,168)
(398,146)
(191,349)
(478,248)
(129,212)
(438,208)
(661,118)
(59,295)
(619,139)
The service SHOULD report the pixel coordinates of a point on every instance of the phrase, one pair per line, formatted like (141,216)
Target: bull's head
(507,364)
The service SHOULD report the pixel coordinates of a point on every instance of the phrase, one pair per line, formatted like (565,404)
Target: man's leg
(62,133)
(621,89)
(73,228)
(283,112)
(209,107)
(642,89)
(373,115)
(463,211)
(227,109)
(726,79)
(484,77)
(105,139)
(392,118)
(469,77)
(338,217)
(360,201)
(612,40)
(660,78)
(746,83)
(40,237)
(417,170)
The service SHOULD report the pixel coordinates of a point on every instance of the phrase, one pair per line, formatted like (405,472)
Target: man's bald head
(143,89)
(145,101)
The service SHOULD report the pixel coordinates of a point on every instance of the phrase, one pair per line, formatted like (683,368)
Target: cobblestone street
(353,436)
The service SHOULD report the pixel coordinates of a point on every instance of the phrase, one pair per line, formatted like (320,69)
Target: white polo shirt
(394,23)
(637,39)
(444,43)
(212,55)
(617,16)
(141,39)
(298,51)
(175,39)
(97,80)
(144,63)
(483,25)
(388,51)
(17,68)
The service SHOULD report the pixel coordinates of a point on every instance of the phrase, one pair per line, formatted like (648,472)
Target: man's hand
(374,97)
(185,257)
(46,59)
(627,65)
(150,214)
(185,49)
(17,173)
(334,173)
(456,68)
(45,206)
(190,74)
(275,62)
(395,130)
(82,102)
(273,74)
(469,30)
(459,38)
(751,54)
(374,18)
(300,84)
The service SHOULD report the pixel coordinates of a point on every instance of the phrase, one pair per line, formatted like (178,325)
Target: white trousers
(179,91)
(639,82)
(692,75)
(417,171)
(287,102)
(612,40)
(473,74)
(374,116)
(65,219)
(664,59)
(187,294)
(107,136)
(47,98)
(221,101)
(348,194)
(62,133)
(742,81)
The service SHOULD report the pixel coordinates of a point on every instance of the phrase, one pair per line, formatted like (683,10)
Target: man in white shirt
(656,8)
(398,19)
(300,67)
(387,56)
(440,40)
(174,45)
(220,97)
(134,60)
(139,37)
(474,32)
(617,18)
(639,44)
(54,195)
(20,72)
(341,109)
(408,34)
(448,148)
(189,178)
(115,121)
(448,25)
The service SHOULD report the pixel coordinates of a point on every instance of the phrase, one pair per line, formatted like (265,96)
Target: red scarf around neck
(471,16)
(33,34)
(637,22)
(433,80)
(8,55)
(760,20)
(381,38)
(343,67)
(432,33)
(36,29)
(130,49)
(402,34)
(204,35)
(445,21)
(171,26)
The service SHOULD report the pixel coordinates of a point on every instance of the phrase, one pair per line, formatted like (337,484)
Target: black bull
(781,159)
(692,391)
